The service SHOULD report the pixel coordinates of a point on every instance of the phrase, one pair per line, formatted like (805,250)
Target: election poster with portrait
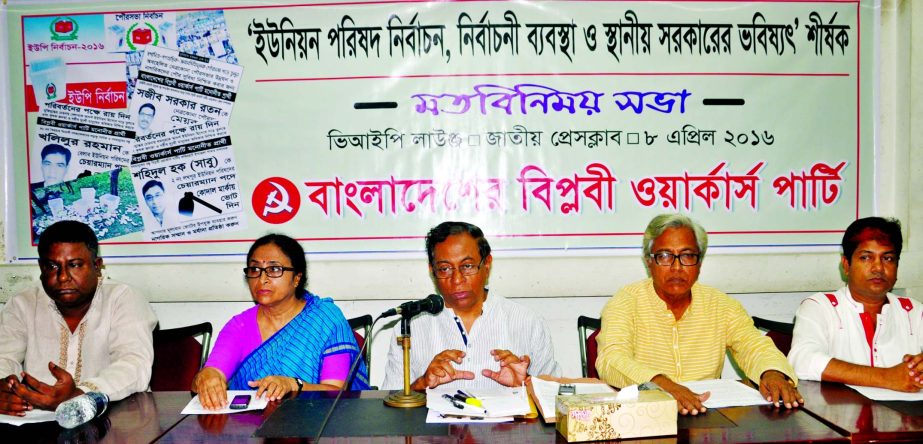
(71,141)
(187,179)
(176,89)
(76,169)
(559,127)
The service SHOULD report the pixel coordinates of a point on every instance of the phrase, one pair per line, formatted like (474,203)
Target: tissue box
(600,416)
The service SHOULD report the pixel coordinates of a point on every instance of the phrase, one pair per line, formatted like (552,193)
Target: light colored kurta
(110,351)
(640,338)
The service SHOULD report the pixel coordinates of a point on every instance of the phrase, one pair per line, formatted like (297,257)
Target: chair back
(363,324)
(779,332)
(588,345)
(178,356)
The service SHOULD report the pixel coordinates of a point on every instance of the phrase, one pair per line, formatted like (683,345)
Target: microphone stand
(407,398)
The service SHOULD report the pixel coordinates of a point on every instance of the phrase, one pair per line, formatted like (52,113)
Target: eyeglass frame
(266,270)
(453,269)
(697,256)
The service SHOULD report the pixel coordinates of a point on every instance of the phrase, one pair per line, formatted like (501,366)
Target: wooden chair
(178,356)
(779,332)
(588,344)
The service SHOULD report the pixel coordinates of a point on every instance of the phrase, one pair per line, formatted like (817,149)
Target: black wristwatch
(300,384)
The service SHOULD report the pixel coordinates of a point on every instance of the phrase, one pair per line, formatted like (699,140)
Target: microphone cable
(348,382)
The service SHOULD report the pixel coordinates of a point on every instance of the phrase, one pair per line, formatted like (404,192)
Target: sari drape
(299,348)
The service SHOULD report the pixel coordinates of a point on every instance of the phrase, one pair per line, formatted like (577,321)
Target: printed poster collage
(132,121)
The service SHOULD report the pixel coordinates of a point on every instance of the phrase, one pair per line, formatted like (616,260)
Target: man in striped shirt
(478,341)
(669,328)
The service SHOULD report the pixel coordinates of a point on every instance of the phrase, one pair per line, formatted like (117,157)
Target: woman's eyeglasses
(272,271)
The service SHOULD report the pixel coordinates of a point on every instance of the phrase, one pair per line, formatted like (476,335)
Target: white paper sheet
(195,407)
(882,394)
(31,416)
(726,393)
(434,417)
(505,401)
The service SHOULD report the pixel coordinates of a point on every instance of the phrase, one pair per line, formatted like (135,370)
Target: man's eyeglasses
(446,271)
(272,271)
(666,259)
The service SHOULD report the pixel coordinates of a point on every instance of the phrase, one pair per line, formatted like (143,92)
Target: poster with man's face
(74,141)
(175,90)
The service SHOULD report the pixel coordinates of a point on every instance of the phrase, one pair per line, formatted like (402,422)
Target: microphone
(432,304)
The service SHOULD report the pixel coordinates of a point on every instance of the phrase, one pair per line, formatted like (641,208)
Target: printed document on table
(434,417)
(31,416)
(503,401)
(726,393)
(195,407)
(882,394)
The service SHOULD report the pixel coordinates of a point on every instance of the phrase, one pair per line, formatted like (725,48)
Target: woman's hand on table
(274,387)
(212,387)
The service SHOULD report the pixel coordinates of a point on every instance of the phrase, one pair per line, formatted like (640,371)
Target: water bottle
(80,410)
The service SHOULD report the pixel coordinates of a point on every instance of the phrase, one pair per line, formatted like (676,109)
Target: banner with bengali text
(556,126)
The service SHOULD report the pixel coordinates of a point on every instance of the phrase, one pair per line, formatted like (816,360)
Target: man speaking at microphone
(478,341)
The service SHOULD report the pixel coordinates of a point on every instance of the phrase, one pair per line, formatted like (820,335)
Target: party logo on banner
(64,29)
(141,34)
(134,31)
(276,200)
(51,91)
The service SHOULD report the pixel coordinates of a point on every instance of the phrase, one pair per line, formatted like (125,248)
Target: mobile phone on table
(240,402)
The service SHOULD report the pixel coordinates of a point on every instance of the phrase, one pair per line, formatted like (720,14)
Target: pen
(473,418)
(454,401)
(461,405)
(469,399)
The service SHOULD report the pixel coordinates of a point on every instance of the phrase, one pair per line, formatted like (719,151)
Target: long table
(142,417)
(862,419)
(834,413)
(739,424)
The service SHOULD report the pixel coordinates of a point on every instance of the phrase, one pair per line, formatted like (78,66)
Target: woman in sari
(290,341)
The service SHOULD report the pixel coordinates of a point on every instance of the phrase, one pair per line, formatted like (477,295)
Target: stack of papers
(434,417)
(195,407)
(726,393)
(499,405)
(545,391)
